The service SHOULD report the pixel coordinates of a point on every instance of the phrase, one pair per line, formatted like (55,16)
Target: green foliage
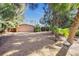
(54,28)
(77,34)
(47,17)
(37,28)
(10,15)
(63,7)
(61,31)
(64,32)
(63,12)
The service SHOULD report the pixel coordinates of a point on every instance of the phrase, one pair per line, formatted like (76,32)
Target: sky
(33,16)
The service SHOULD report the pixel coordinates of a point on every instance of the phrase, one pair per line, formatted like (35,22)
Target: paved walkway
(33,44)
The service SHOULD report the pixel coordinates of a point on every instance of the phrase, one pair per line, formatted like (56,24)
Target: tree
(33,6)
(47,17)
(10,15)
(73,28)
(62,15)
(65,8)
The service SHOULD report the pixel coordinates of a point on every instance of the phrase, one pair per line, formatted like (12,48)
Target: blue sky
(33,16)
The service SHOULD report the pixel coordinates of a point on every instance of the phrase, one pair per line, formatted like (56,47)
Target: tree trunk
(73,28)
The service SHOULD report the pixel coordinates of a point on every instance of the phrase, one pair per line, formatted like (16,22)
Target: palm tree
(61,8)
(73,28)
(60,13)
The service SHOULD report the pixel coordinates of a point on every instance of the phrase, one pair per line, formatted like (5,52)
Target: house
(22,28)
(25,28)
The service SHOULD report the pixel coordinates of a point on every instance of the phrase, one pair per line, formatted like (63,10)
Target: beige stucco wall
(25,28)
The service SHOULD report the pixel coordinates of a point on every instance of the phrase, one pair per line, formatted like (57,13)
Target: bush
(61,31)
(77,34)
(37,28)
(64,32)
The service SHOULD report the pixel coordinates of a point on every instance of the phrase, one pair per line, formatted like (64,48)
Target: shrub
(77,34)
(61,31)
(64,32)
(37,28)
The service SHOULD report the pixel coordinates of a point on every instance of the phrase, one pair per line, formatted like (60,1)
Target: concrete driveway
(33,44)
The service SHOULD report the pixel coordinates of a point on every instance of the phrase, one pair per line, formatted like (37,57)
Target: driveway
(33,44)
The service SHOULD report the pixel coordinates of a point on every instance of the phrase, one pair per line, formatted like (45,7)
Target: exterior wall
(11,30)
(25,28)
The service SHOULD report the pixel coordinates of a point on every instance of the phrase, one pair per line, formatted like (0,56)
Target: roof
(26,24)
